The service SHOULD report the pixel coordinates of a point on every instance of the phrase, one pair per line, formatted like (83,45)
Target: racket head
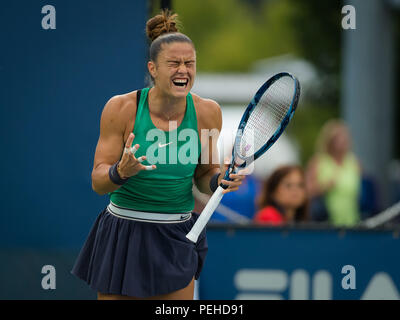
(267,115)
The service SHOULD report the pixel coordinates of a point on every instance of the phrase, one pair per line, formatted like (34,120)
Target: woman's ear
(151,66)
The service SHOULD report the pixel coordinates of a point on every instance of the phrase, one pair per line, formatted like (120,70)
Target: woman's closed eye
(173,64)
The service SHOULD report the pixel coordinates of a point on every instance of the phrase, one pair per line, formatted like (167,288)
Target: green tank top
(342,200)
(168,188)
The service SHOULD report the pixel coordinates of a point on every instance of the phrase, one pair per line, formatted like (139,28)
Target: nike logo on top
(163,145)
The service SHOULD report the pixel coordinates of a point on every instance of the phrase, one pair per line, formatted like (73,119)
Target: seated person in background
(284,199)
(334,175)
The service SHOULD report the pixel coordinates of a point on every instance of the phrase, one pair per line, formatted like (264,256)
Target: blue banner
(267,263)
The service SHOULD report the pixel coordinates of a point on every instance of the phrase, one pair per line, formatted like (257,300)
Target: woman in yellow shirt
(334,174)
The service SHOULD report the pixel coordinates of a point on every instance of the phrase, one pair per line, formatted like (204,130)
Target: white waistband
(154,217)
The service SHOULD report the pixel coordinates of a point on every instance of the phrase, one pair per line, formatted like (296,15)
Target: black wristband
(114,175)
(214,182)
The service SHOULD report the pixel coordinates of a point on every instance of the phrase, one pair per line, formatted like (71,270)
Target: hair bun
(165,22)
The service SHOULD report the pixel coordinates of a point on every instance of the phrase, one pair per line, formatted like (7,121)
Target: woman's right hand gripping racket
(264,120)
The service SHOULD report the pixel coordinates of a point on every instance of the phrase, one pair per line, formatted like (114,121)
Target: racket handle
(205,215)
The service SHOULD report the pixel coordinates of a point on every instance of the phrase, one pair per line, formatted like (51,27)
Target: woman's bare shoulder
(122,102)
(206,103)
(120,111)
(208,112)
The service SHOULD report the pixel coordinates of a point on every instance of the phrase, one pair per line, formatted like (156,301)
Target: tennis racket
(264,120)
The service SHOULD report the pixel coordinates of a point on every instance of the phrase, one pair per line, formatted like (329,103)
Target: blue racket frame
(253,103)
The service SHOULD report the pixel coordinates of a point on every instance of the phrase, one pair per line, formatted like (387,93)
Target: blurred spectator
(334,177)
(283,199)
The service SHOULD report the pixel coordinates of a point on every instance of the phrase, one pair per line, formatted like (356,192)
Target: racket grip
(205,215)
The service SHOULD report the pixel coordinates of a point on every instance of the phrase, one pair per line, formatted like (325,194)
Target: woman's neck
(338,157)
(290,214)
(165,105)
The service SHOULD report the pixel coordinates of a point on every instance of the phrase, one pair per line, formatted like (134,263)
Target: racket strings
(267,116)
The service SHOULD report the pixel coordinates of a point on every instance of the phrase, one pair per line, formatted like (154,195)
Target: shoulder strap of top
(140,102)
(143,95)
(138,98)
(191,111)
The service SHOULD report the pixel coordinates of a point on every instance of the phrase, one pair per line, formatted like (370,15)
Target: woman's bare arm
(212,119)
(115,135)
(211,123)
(109,146)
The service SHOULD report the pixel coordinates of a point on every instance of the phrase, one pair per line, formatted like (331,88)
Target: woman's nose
(182,68)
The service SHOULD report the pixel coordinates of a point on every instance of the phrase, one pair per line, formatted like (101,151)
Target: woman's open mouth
(180,82)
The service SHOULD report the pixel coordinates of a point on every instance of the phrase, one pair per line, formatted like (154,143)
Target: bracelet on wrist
(114,175)
(214,182)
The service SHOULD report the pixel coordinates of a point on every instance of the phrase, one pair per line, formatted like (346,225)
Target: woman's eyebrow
(179,60)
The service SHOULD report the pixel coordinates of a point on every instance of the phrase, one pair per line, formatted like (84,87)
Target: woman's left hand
(236,179)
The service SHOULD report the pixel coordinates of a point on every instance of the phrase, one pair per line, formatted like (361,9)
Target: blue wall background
(53,87)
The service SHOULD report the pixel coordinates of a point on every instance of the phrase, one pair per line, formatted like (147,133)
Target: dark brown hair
(271,184)
(163,28)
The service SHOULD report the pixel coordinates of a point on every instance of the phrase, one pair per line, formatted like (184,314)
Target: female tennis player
(144,160)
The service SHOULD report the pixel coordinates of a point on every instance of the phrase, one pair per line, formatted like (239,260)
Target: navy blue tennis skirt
(139,259)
